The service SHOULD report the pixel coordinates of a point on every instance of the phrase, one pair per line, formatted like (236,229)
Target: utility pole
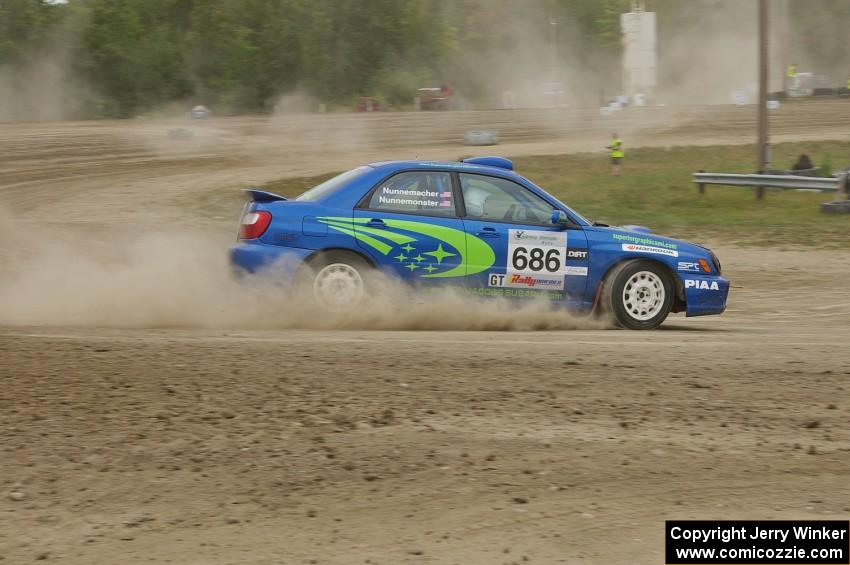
(555,84)
(761,161)
(553,40)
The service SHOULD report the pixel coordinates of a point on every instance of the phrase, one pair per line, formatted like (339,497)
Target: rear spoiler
(258,195)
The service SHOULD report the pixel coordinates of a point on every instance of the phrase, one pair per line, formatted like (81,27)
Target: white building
(639,52)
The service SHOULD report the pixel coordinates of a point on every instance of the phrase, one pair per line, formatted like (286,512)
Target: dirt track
(129,167)
(249,446)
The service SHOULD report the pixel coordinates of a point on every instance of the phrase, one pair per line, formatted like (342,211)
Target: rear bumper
(272,261)
(705,296)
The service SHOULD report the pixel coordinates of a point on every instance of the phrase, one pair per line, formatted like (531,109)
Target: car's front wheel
(638,294)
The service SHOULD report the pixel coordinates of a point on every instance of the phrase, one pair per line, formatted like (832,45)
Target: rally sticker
(516,280)
(647,249)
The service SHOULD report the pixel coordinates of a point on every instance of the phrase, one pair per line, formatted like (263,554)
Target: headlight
(716,262)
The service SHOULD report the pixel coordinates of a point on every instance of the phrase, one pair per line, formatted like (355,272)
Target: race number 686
(536,259)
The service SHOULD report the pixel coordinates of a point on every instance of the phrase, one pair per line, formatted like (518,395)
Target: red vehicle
(435,98)
(367,104)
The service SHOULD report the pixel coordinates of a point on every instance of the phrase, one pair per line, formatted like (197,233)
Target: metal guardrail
(782,182)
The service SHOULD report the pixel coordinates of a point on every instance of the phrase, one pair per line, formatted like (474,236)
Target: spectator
(616,148)
(791,77)
(803,163)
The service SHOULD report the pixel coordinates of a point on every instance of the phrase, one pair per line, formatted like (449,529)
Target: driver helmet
(475,200)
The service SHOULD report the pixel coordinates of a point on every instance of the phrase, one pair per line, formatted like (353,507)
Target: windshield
(330,185)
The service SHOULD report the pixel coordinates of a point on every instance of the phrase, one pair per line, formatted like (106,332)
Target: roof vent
(499,162)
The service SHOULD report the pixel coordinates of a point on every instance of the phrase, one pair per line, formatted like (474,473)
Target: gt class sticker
(701,285)
(532,252)
(648,249)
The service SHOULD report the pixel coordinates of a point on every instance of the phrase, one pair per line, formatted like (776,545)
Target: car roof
(445,165)
(341,196)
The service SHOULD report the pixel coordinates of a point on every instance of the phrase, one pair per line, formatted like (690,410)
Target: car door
(409,225)
(531,256)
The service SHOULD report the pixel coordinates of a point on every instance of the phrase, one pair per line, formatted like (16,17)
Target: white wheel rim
(338,287)
(643,295)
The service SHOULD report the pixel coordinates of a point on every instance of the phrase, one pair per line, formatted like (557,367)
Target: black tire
(309,285)
(630,311)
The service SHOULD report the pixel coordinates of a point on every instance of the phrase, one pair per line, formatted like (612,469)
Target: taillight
(254,224)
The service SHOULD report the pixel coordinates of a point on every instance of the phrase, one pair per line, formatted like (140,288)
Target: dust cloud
(707,52)
(43,85)
(183,280)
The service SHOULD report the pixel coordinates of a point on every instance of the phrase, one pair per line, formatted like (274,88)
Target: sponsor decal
(689,267)
(576,271)
(634,248)
(701,285)
(528,280)
(644,241)
(541,238)
(516,293)
(515,280)
(576,253)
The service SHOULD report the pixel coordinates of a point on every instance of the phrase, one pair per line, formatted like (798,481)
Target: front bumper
(276,262)
(705,296)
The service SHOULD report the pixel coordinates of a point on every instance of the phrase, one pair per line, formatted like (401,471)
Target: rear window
(415,192)
(331,185)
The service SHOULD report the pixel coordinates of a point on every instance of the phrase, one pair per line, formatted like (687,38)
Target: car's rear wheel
(638,295)
(336,282)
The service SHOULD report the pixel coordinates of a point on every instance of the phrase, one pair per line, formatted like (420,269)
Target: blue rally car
(476,225)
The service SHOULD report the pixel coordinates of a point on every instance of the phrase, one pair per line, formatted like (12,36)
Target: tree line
(124,57)
(120,58)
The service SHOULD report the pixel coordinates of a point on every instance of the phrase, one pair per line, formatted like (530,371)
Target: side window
(492,198)
(415,192)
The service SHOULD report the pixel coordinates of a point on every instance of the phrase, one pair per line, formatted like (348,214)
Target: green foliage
(825,168)
(237,56)
(25,25)
(240,56)
(606,23)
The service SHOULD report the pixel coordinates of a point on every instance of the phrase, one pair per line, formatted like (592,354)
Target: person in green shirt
(616,153)
(791,77)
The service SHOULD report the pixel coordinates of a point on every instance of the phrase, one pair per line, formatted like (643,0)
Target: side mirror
(559,218)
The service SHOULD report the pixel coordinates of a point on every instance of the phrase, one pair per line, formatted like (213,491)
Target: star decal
(408,248)
(439,254)
(419,258)
(401,257)
(411,266)
(430,268)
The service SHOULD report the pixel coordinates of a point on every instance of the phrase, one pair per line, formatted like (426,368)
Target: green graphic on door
(431,250)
